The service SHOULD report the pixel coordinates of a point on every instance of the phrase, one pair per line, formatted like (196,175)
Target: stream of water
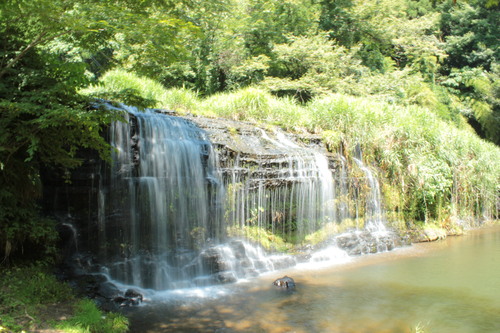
(446,286)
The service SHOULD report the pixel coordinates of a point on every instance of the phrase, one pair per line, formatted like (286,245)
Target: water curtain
(166,204)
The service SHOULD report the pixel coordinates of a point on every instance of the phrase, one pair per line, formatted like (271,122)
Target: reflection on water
(447,286)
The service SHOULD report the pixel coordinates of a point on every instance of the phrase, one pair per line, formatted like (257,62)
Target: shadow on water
(390,292)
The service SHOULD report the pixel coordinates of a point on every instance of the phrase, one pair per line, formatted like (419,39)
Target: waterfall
(161,204)
(374,217)
(173,191)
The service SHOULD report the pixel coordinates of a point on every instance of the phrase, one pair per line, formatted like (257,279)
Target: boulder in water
(285,282)
(134,296)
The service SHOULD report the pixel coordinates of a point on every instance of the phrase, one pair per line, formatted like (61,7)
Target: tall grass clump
(117,85)
(257,105)
(181,100)
(116,82)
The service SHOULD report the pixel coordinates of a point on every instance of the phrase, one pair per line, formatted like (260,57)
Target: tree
(471,32)
(43,120)
(307,66)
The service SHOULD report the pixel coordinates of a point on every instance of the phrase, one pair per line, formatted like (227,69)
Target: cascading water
(373,214)
(288,189)
(162,203)
(173,190)
(374,237)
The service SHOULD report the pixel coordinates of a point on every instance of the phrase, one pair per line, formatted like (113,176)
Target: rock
(213,261)
(132,297)
(225,277)
(285,282)
(108,290)
(434,234)
(282,262)
(132,293)
(88,284)
(428,235)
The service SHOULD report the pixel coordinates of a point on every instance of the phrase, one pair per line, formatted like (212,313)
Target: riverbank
(430,232)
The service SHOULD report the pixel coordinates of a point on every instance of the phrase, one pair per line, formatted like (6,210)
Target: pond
(447,286)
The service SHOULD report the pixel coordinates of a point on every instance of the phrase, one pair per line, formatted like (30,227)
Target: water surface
(446,286)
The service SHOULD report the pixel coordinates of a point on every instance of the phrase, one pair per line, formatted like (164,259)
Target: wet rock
(285,282)
(213,261)
(225,277)
(130,298)
(356,243)
(88,284)
(238,248)
(108,290)
(132,293)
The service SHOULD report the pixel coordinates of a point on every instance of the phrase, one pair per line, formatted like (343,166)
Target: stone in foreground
(285,282)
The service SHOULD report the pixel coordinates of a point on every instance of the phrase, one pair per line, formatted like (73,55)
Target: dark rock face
(256,156)
(285,283)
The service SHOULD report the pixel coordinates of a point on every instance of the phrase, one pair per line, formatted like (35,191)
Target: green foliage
(28,291)
(312,65)
(44,122)
(34,285)
(265,238)
(479,98)
(25,291)
(89,319)
(470,30)
(330,229)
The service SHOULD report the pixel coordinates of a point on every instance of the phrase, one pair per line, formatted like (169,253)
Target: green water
(447,286)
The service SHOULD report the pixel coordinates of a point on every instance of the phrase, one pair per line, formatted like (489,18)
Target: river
(446,286)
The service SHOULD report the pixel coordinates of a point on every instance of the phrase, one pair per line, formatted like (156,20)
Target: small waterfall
(287,189)
(374,237)
(374,217)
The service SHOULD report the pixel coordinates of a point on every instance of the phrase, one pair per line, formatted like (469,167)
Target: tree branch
(41,38)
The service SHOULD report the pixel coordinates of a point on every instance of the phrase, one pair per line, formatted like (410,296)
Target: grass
(331,229)
(89,319)
(265,238)
(32,298)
